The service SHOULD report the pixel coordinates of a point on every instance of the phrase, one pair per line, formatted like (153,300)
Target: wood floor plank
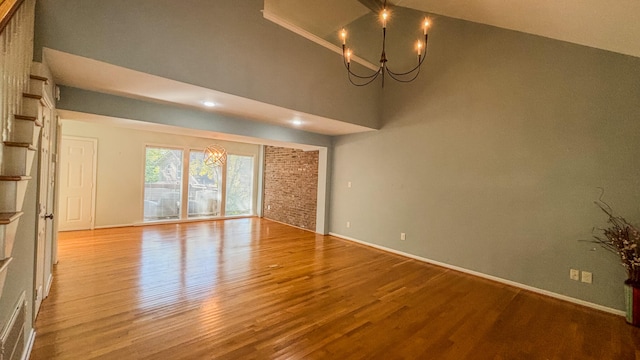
(256,289)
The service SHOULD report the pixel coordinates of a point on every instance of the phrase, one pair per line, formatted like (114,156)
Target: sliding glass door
(168,195)
(239,197)
(205,187)
(162,184)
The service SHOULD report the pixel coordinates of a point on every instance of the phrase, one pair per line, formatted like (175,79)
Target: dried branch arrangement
(622,238)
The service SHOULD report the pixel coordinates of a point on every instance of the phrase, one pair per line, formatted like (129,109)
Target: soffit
(88,74)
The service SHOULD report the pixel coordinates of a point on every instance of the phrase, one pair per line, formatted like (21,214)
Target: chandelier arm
(372,76)
(369,81)
(423,56)
(351,73)
(396,77)
(404,73)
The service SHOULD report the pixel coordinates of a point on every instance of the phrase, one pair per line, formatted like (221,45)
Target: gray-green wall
(492,159)
(225,45)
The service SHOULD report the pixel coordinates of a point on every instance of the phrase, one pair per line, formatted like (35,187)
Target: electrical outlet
(587,277)
(574,274)
(349,184)
(268,207)
(403,236)
(348,224)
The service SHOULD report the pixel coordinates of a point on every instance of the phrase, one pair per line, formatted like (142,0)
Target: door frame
(44,237)
(56,189)
(94,172)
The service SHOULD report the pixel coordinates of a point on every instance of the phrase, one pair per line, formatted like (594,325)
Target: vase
(632,302)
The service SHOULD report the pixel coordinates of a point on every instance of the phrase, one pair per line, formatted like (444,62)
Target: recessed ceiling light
(208,103)
(297,122)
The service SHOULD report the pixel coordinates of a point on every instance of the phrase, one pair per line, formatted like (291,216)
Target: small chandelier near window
(406,76)
(215,155)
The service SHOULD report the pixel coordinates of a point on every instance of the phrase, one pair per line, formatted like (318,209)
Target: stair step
(4,265)
(26,129)
(31,105)
(8,229)
(13,189)
(38,77)
(28,118)
(32,96)
(9,178)
(9,217)
(37,84)
(18,158)
(26,145)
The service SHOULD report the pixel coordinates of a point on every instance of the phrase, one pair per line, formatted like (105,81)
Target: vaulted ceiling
(608,25)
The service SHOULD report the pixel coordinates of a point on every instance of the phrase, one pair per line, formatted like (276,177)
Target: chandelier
(215,155)
(383,69)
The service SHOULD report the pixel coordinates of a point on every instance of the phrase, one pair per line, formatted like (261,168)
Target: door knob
(50,216)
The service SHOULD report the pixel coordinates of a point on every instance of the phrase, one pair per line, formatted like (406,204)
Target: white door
(43,267)
(77,179)
(54,194)
(51,238)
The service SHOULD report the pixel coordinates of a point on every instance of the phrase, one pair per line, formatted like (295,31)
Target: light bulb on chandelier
(383,69)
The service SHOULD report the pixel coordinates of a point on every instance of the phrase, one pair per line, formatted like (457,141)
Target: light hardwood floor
(255,289)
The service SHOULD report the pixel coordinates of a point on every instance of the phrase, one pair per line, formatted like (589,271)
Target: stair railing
(16,53)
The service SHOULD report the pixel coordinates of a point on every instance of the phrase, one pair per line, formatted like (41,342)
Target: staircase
(20,118)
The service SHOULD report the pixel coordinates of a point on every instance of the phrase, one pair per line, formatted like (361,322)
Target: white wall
(120,166)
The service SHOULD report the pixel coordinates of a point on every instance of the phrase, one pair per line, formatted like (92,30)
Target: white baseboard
(166,222)
(284,223)
(98,227)
(48,287)
(27,352)
(112,226)
(185,221)
(488,277)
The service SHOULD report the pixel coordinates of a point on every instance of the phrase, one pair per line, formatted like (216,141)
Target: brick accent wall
(291,186)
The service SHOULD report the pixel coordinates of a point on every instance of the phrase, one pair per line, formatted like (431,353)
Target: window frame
(254,191)
(144,182)
(184,199)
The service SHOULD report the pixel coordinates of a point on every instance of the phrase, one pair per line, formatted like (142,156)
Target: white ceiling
(168,129)
(84,73)
(609,25)
(612,25)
